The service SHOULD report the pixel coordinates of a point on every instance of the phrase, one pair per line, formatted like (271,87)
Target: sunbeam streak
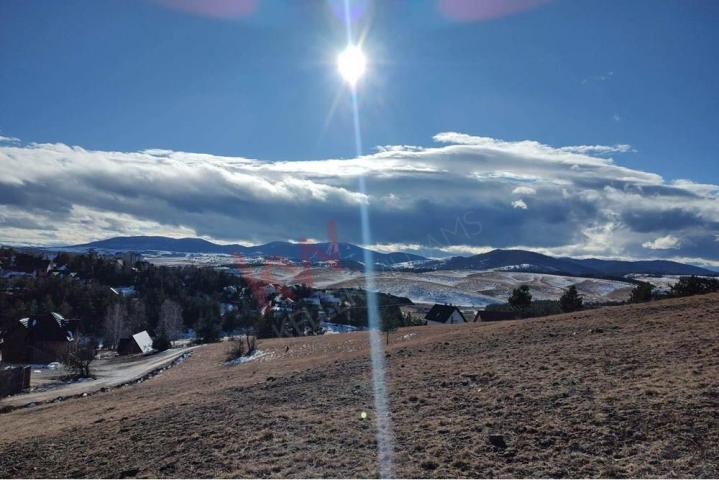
(352,65)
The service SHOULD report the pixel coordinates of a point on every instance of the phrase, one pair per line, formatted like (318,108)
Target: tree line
(522,303)
(167,301)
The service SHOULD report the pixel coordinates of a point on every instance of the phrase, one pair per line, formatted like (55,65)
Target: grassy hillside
(621,391)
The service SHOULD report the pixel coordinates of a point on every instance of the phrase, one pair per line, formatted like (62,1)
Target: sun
(351,64)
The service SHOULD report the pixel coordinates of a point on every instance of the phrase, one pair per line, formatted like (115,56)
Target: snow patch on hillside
(239,361)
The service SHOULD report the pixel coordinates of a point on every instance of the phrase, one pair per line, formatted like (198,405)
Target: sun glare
(352,64)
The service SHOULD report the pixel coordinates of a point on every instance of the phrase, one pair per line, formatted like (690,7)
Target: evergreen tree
(161,342)
(694,286)
(571,301)
(208,329)
(643,292)
(521,298)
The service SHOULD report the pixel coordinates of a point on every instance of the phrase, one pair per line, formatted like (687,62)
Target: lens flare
(351,64)
(213,8)
(355,10)
(480,10)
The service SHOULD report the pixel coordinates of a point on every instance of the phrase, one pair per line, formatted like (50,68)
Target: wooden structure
(444,315)
(42,338)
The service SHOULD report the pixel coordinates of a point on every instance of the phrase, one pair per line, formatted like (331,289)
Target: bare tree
(79,355)
(251,344)
(170,319)
(115,326)
(238,348)
(137,315)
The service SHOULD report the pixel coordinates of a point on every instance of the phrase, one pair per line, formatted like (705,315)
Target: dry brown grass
(623,391)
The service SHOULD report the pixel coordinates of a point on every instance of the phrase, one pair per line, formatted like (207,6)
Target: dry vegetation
(623,391)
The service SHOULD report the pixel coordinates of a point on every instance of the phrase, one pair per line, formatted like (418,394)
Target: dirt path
(622,391)
(108,374)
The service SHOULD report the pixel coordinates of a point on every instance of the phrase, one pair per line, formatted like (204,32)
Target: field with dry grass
(622,391)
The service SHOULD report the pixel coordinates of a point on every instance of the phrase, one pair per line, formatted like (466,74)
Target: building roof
(143,341)
(51,327)
(442,313)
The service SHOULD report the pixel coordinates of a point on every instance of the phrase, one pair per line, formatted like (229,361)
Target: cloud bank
(464,194)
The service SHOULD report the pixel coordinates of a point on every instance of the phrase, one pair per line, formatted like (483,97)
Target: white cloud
(598,149)
(598,78)
(668,242)
(394,247)
(523,190)
(449,195)
(466,249)
(9,139)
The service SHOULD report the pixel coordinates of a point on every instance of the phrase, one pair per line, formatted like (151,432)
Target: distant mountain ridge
(507,260)
(525,261)
(514,260)
(312,252)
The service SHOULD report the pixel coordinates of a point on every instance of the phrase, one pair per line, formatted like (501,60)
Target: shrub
(236,349)
(161,342)
(241,348)
(79,355)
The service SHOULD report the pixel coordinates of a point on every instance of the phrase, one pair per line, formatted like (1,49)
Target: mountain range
(507,260)
(311,252)
(526,261)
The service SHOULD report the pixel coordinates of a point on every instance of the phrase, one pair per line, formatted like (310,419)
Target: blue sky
(129,75)
(567,127)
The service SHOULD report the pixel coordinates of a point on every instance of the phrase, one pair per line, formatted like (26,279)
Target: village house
(138,343)
(444,315)
(42,338)
(124,291)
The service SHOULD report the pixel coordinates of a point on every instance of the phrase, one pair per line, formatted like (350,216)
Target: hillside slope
(622,391)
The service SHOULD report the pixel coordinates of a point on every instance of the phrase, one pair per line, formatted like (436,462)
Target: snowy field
(469,288)
(477,289)
(663,284)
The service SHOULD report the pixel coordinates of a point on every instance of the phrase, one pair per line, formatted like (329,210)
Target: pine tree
(643,292)
(208,329)
(571,301)
(521,298)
